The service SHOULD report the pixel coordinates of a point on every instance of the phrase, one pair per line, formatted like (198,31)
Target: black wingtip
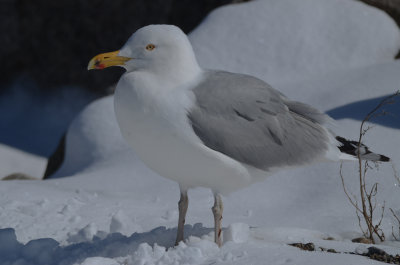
(350,148)
(384,158)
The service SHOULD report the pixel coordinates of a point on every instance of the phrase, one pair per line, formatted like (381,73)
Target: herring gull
(211,128)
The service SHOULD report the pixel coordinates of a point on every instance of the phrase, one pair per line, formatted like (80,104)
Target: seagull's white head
(160,49)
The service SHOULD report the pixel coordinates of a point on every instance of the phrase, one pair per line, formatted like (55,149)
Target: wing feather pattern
(246,119)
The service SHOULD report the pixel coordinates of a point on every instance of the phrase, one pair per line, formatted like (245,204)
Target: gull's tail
(350,148)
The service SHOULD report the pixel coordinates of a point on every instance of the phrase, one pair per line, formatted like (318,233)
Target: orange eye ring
(150,47)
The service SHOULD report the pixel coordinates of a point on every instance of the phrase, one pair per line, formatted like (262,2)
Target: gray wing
(249,121)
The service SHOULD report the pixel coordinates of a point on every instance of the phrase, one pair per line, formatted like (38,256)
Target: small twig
(398,224)
(353,202)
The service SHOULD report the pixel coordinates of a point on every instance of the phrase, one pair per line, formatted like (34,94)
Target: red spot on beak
(99,65)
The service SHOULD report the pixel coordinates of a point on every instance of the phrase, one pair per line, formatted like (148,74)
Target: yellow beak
(107,59)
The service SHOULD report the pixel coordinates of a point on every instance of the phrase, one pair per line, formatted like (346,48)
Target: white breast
(154,122)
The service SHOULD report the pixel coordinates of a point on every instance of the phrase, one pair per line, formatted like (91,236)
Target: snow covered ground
(105,207)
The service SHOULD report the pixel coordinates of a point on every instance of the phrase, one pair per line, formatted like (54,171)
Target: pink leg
(217,210)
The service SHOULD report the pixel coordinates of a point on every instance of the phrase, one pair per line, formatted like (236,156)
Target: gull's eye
(150,47)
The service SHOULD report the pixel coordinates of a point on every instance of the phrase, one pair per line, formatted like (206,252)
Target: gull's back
(246,119)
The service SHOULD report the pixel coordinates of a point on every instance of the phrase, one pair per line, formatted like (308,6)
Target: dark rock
(375,251)
(52,41)
(9,24)
(362,240)
(18,176)
(380,255)
(308,246)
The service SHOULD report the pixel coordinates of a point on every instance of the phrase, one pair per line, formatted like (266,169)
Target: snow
(105,207)
(196,250)
(83,147)
(366,82)
(99,261)
(288,41)
(237,232)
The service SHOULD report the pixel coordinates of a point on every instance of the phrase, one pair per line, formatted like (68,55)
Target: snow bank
(93,136)
(289,40)
(351,94)
(346,86)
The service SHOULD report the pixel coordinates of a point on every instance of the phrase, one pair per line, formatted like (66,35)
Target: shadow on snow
(358,110)
(47,251)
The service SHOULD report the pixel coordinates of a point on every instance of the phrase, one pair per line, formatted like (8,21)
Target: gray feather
(249,121)
(306,111)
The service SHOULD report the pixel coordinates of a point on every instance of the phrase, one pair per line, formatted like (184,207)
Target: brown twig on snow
(397,238)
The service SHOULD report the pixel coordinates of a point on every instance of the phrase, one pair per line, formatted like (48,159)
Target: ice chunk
(237,232)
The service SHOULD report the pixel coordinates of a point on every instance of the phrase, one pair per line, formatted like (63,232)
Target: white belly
(172,149)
